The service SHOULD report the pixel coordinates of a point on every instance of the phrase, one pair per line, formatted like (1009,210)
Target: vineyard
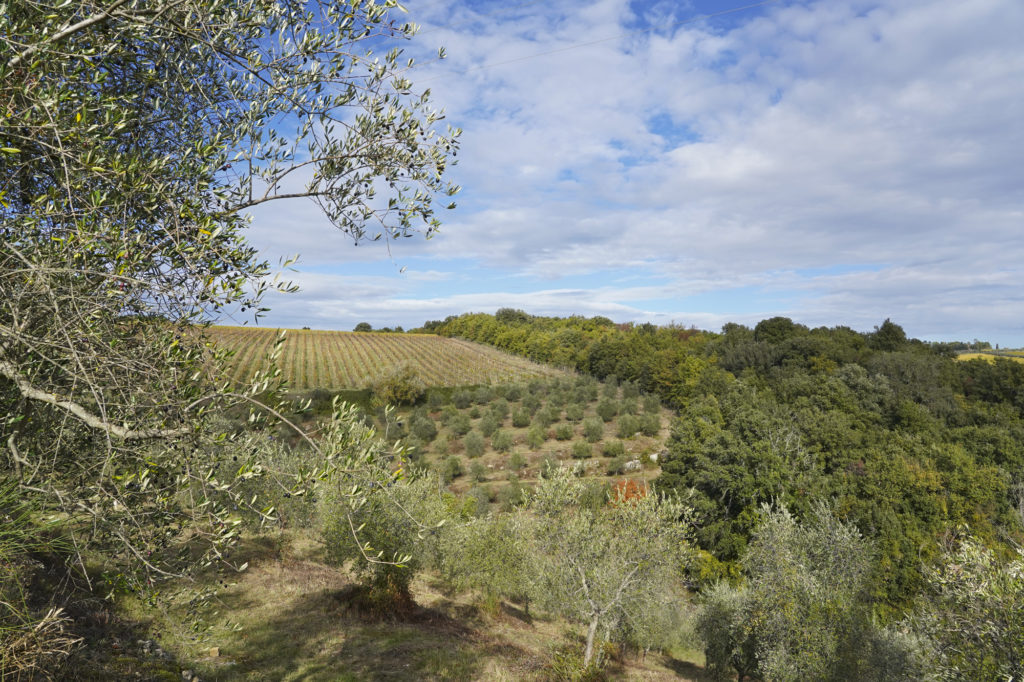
(335,360)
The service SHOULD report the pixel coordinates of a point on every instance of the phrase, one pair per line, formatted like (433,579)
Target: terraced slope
(335,360)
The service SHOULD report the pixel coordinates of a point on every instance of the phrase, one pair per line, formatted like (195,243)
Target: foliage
(582,450)
(599,566)
(385,537)
(400,386)
(502,441)
(593,430)
(475,444)
(804,611)
(973,611)
(136,137)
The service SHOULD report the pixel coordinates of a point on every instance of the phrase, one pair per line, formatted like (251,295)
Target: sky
(838,162)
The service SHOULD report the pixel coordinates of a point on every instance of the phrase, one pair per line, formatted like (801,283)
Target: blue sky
(834,161)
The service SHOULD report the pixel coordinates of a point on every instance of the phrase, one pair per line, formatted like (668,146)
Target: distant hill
(333,360)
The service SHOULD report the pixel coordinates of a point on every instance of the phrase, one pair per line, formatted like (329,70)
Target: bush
(516,461)
(488,425)
(460,424)
(435,399)
(593,430)
(650,425)
(474,412)
(475,444)
(611,388)
(423,428)
(400,386)
(514,393)
(448,414)
(558,399)
(574,413)
(563,432)
(628,406)
(531,403)
(628,426)
(651,404)
(614,448)
(607,409)
(617,466)
(548,467)
(520,418)
(537,387)
(511,495)
(536,436)
(478,471)
(462,399)
(442,445)
(499,408)
(483,395)
(502,441)
(451,468)
(544,417)
(581,450)
(630,389)
(481,497)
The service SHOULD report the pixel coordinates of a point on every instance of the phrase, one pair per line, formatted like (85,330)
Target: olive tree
(973,612)
(135,138)
(603,566)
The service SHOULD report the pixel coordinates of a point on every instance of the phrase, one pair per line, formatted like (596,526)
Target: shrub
(460,424)
(581,450)
(548,467)
(628,406)
(651,404)
(514,393)
(593,430)
(557,399)
(630,389)
(502,441)
(478,471)
(516,461)
(536,436)
(483,395)
(520,418)
(488,425)
(614,448)
(628,426)
(543,418)
(474,412)
(574,413)
(448,414)
(462,399)
(531,403)
(442,445)
(607,409)
(537,387)
(475,444)
(481,497)
(617,466)
(400,386)
(611,388)
(499,408)
(451,468)
(563,432)
(650,425)
(435,399)
(511,495)
(423,428)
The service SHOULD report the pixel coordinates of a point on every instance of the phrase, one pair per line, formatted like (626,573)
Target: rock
(654,457)
(187,675)
(633,465)
(215,652)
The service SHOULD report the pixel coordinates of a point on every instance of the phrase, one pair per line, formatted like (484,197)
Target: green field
(332,360)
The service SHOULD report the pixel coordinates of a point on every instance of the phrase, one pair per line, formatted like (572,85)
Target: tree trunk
(591,632)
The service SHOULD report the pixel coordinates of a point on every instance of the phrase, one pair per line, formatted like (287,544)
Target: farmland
(992,355)
(312,359)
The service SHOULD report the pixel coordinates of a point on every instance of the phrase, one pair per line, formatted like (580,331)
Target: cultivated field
(332,360)
(992,355)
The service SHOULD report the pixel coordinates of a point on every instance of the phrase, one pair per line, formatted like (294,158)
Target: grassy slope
(330,360)
(295,625)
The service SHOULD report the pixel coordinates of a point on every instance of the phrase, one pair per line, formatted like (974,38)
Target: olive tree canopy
(134,136)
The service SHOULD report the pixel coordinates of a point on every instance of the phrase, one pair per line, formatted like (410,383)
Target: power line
(576,46)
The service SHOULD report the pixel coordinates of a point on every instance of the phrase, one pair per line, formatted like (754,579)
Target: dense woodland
(895,434)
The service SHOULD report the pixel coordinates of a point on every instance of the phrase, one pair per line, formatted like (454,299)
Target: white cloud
(814,135)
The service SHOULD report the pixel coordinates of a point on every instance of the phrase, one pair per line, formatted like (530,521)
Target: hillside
(331,360)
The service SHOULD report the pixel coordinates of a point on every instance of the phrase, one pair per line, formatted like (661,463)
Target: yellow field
(1008,355)
(335,360)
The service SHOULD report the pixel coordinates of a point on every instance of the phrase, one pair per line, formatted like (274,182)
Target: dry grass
(296,624)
